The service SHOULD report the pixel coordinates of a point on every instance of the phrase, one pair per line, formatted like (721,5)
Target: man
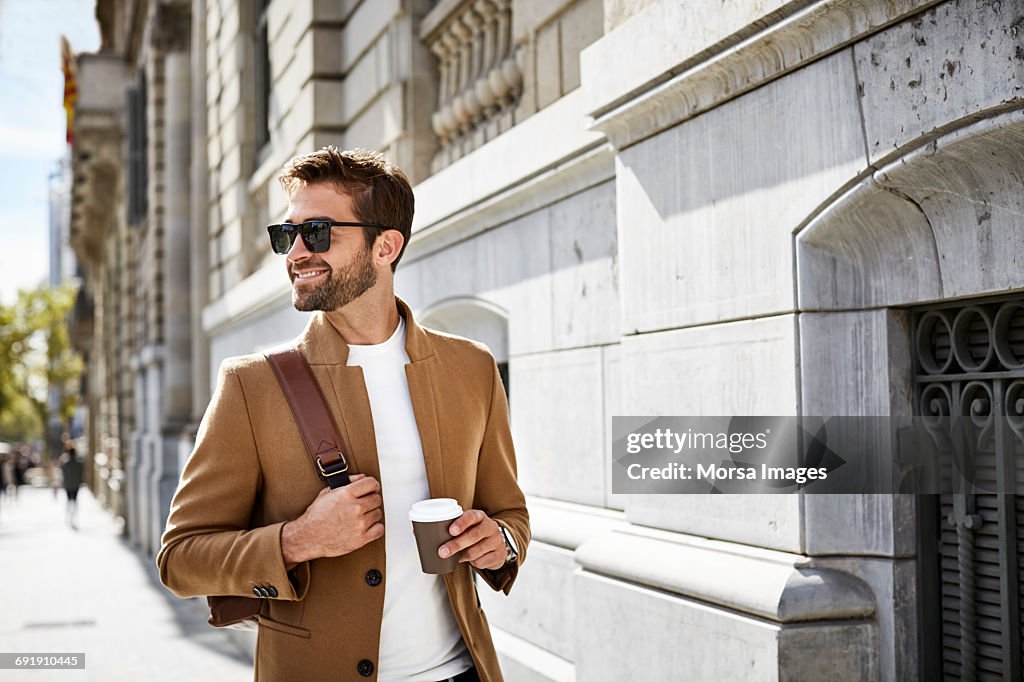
(71,469)
(425,415)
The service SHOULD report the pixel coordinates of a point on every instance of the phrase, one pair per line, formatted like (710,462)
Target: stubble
(340,287)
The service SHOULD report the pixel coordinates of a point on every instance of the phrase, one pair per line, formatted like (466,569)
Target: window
(261,72)
(969,364)
(503,371)
(137,179)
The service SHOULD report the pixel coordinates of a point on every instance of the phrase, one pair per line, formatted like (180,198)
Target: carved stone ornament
(170,26)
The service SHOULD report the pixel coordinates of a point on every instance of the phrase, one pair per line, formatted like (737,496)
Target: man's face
(333,279)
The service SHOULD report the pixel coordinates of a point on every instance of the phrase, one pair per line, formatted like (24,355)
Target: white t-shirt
(419,638)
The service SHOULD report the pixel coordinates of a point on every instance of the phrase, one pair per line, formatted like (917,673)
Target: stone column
(175,372)
(138,465)
(199,250)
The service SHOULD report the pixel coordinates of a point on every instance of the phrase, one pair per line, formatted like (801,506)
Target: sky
(32,127)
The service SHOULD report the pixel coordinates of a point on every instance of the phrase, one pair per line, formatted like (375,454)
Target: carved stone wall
(479,78)
(499,62)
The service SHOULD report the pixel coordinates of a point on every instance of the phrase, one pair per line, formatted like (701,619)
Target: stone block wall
(692,213)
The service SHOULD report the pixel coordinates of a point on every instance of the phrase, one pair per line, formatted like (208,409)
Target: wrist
(293,547)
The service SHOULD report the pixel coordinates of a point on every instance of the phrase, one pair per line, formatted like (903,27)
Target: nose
(298,251)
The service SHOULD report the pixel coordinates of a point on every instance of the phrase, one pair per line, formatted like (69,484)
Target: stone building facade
(130,229)
(643,207)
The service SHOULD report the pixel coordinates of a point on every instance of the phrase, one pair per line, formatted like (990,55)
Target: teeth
(307,275)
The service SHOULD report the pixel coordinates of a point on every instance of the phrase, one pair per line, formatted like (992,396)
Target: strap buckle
(332,469)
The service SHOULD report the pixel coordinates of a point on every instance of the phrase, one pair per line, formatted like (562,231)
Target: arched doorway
(476,319)
(901,281)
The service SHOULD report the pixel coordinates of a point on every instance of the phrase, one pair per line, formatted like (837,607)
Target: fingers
(469,518)
(352,500)
(370,502)
(366,485)
(493,560)
(361,485)
(373,531)
(474,528)
(478,549)
(348,518)
(469,538)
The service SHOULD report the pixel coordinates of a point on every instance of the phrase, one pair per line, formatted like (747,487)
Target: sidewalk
(64,591)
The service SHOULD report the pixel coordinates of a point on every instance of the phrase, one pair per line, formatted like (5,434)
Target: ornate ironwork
(969,365)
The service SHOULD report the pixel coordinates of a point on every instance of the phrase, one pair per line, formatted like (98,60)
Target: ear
(389,245)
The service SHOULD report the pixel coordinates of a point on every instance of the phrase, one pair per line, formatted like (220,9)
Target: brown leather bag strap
(323,439)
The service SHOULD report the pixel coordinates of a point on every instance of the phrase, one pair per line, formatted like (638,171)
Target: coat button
(256,591)
(272,591)
(263,592)
(365,668)
(373,577)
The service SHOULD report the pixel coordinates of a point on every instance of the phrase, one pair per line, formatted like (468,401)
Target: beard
(339,288)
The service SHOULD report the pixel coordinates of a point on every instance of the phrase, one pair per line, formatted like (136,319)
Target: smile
(308,275)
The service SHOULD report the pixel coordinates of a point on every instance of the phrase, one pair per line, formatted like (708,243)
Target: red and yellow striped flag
(70,86)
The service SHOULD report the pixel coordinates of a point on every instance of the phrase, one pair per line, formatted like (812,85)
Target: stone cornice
(551,147)
(569,525)
(792,42)
(592,167)
(782,587)
(438,14)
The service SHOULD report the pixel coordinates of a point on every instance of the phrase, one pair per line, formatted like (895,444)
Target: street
(66,591)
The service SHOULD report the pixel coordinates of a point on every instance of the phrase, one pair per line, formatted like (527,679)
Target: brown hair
(380,191)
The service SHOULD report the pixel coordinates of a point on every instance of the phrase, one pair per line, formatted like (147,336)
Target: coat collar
(321,343)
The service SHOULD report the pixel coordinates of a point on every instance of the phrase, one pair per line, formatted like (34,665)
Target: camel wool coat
(250,473)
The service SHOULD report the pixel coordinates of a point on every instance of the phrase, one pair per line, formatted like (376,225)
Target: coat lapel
(422,393)
(356,419)
(345,391)
(420,374)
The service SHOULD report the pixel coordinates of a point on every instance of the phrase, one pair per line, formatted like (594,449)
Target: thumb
(356,477)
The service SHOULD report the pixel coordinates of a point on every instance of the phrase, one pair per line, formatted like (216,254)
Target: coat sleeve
(208,547)
(497,488)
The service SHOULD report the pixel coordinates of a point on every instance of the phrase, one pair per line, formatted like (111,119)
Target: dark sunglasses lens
(317,236)
(281,239)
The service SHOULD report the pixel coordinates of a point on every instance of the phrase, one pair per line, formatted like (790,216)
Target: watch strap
(512,552)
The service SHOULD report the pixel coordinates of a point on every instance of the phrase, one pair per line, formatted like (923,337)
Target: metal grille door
(969,364)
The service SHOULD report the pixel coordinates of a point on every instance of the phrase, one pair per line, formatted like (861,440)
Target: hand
(479,538)
(337,522)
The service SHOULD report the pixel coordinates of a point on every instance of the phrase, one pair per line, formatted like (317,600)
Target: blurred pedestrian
(4,479)
(71,468)
(21,465)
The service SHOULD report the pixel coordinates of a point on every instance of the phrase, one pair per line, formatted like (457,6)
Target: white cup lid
(437,509)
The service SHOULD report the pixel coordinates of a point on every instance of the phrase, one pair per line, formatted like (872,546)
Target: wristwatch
(510,545)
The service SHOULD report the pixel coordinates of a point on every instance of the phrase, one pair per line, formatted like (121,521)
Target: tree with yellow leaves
(36,357)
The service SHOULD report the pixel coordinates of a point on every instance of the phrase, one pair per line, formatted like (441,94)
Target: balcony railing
(479,76)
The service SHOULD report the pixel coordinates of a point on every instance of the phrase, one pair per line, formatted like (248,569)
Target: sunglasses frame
(305,230)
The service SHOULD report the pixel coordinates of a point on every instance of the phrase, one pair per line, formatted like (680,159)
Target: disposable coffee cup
(430,521)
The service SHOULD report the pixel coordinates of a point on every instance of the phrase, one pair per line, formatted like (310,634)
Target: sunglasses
(316,234)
